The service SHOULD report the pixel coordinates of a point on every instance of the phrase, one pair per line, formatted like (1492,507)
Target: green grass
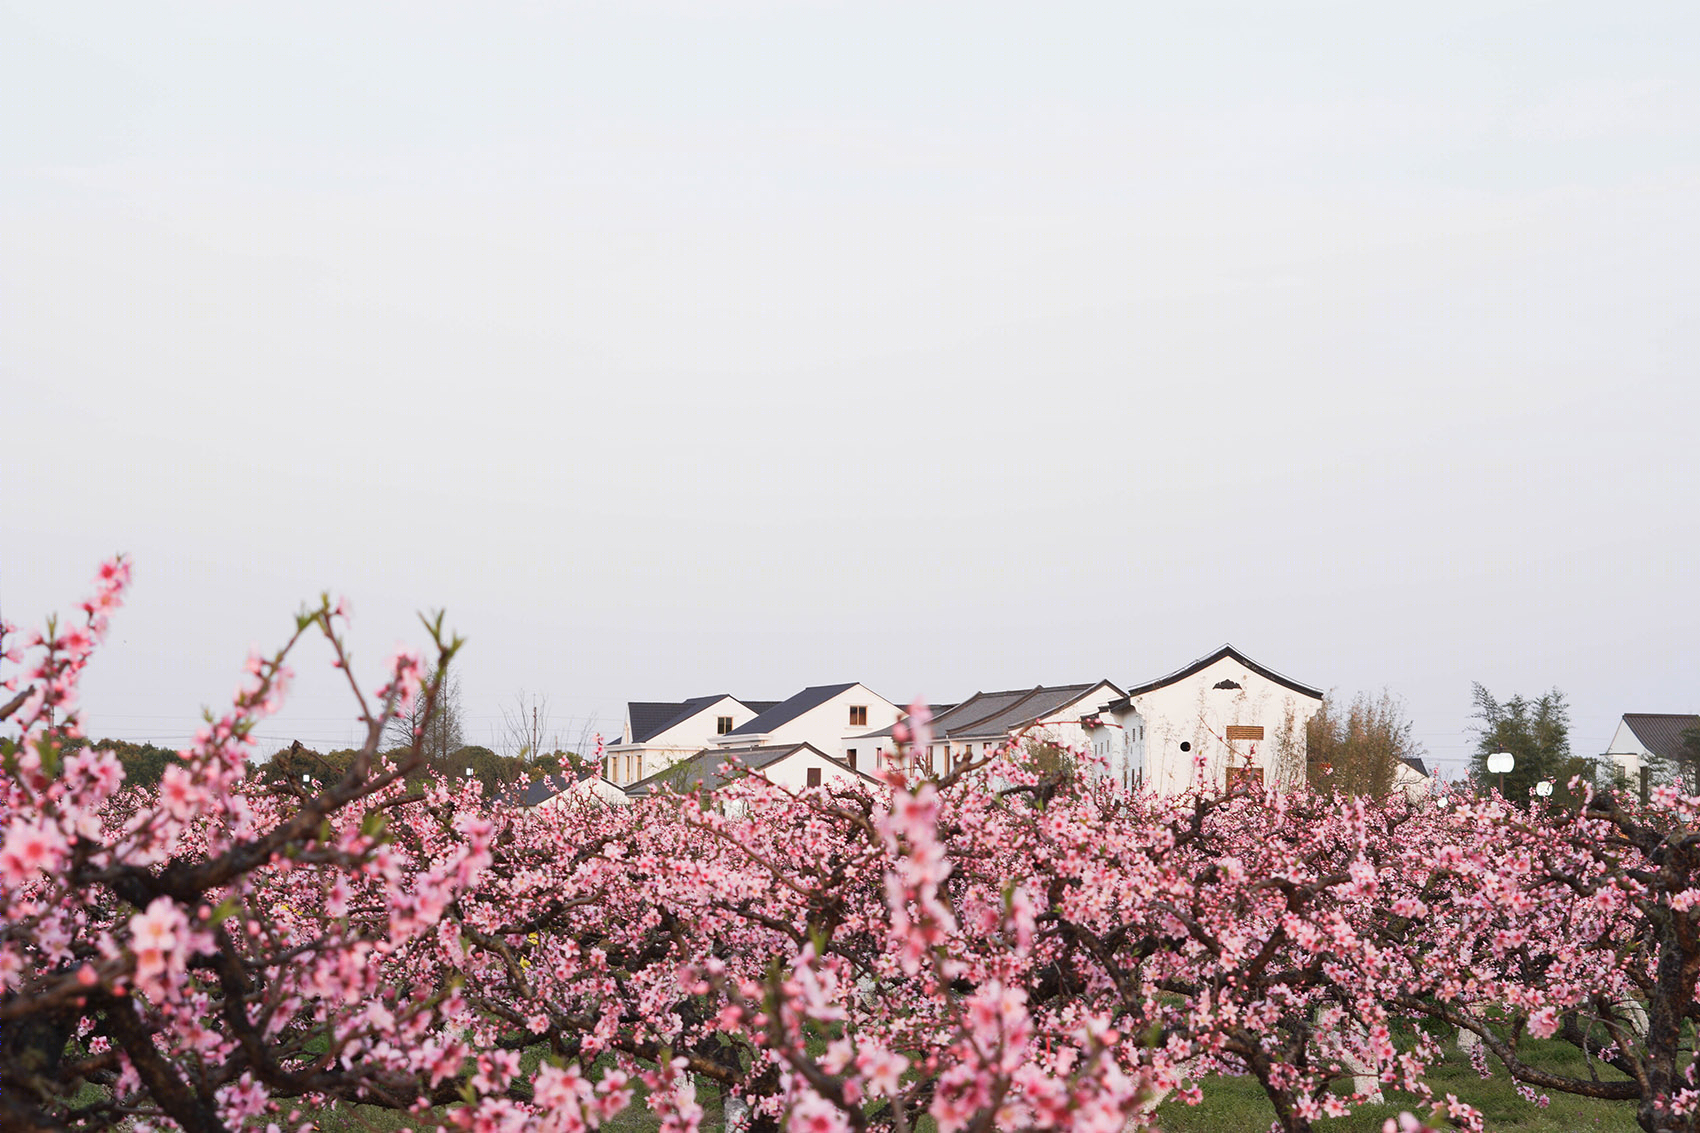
(1231,1105)
(1238,1105)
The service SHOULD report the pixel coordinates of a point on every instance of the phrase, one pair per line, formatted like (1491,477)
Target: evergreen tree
(1535,732)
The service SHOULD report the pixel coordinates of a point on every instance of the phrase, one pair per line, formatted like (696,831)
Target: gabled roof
(1415,763)
(546,787)
(1210,659)
(704,768)
(788,710)
(977,707)
(933,710)
(650,718)
(1030,709)
(987,714)
(1661,732)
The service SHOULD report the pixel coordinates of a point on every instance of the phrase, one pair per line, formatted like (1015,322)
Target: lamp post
(1498,764)
(1543,788)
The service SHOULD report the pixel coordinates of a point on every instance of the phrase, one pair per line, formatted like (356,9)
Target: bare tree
(438,730)
(528,731)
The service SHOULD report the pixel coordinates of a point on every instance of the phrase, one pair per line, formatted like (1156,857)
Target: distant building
(1412,777)
(1643,739)
(1237,716)
(794,766)
(830,718)
(588,785)
(660,733)
(987,721)
(1224,715)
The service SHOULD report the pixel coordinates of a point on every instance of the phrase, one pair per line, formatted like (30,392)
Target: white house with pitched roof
(660,733)
(828,717)
(1220,718)
(588,787)
(794,766)
(1648,740)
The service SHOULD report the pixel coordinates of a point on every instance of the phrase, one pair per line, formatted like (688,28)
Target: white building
(830,718)
(588,787)
(1644,739)
(660,733)
(794,766)
(1223,716)
(1413,779)
(987,721)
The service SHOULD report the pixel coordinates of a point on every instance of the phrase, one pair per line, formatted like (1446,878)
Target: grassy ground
(1231,1105)
(1238,1105)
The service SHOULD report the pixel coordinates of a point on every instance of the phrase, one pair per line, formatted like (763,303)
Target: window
(723,725)
(859,715)
(814,776)
(850,757)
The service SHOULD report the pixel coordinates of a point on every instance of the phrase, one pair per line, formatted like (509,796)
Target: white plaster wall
(827,725)
(1192,711)
(1122,741)
(700,730)
(1627,752)
(596,791)
(792,772)
(1063,727)
(647,758)
(679,742)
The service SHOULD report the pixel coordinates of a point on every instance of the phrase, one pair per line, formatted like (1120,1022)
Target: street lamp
(1543,788)
(1498,764)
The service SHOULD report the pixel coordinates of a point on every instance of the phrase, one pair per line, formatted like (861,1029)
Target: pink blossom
(32,847)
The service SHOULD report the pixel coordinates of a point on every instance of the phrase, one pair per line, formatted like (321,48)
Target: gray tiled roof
(652,717)
(1661,732)
(1038,703)
(704,768)
(935,710)
(542,789)
(787,710)
(998,713)
(981,706)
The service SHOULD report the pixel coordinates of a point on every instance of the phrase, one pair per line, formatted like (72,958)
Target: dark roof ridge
(686,709)
(787,710)
(944,728)
(1071,693)
(1226,649)
(1029,695)
(1661,733)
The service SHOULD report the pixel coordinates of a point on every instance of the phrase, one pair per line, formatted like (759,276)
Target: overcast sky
(681,348)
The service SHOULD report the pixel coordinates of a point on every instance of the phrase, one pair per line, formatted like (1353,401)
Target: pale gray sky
(682,348)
